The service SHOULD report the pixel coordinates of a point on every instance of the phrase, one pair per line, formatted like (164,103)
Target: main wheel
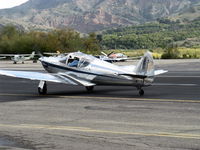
(14,62)
(89,88)
(43,91)
(141,92)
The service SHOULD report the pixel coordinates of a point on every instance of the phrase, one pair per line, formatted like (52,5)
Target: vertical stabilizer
(32,55)
(145,66)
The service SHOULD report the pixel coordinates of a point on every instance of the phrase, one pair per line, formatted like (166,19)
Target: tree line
(14,40)
(159,34)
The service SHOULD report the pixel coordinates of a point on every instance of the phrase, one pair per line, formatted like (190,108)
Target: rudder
(145,66)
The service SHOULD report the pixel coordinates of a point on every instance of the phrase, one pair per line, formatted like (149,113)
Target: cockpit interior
(77,62)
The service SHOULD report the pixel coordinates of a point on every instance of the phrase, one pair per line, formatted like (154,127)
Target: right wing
(58,78)
(128,68)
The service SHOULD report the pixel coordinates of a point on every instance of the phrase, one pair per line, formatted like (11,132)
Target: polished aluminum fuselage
(98,72)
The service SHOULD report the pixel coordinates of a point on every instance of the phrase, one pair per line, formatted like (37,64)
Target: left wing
(58,78)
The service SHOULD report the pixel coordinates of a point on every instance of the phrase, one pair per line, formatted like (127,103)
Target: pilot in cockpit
(73,62)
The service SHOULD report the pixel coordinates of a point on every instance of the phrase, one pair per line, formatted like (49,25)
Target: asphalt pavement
(112,117)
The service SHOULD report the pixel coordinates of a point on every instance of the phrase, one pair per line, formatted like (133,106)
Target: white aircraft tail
(32,55)
(145,66)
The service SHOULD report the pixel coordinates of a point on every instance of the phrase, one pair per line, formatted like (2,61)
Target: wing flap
(76,80)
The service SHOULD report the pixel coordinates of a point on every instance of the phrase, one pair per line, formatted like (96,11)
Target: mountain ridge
(93,15)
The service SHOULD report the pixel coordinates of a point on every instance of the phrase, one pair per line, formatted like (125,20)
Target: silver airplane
(86,70)
(115,57)
(19,57)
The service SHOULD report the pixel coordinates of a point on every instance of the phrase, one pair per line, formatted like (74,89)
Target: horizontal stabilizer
(158,72)
(173,84)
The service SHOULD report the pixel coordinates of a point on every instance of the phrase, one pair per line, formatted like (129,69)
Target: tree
(91,44)
(171,52)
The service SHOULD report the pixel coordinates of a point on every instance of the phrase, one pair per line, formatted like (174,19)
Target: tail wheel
(141,92)
(89,88)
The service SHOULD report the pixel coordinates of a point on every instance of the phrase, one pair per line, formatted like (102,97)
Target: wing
(58,78)
(12,55)
(7,55)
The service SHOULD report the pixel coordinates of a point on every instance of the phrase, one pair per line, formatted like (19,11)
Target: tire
(89,88)
(141,92)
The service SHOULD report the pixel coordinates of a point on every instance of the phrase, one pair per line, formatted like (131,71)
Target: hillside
(188,14)
(92,15)
(153,35)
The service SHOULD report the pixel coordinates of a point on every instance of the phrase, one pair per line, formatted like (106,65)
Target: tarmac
(110,118)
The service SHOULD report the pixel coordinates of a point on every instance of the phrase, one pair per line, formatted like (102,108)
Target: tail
(145,66)
(39,54)
(32,55)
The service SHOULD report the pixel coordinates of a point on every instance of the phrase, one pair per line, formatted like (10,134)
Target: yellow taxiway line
(105,98)
(90,130)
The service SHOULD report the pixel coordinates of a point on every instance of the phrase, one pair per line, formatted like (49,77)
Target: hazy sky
(10,3)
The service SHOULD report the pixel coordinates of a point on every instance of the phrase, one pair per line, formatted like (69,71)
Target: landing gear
(14,62)
(42,88)
(89,88)
(141,92)
(22,62)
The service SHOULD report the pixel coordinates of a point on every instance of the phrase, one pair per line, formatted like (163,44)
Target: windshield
(83,63)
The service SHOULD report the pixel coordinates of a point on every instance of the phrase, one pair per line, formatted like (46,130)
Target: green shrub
(171,53)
